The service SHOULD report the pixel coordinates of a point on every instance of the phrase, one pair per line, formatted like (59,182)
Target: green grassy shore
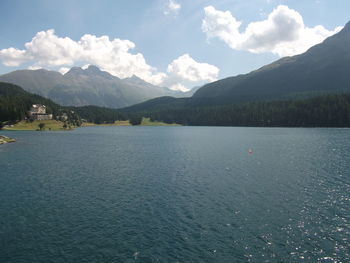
(49,125)
(145,122)
(53,125)
(148,122)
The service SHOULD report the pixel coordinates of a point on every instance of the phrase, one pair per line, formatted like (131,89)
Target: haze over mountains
(79,87)
(323,69)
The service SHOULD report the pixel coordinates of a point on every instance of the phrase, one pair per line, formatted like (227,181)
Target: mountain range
(323,69)
(90,86)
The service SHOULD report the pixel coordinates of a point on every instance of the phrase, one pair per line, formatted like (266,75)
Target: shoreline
(54,125)
(144,122)
(48,125)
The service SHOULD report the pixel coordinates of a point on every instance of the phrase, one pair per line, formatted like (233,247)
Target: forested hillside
(323,111)
(15,102)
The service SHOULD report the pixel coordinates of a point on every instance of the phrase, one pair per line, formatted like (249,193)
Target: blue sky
(176,48)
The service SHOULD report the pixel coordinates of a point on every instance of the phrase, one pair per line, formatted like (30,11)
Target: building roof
(38,105)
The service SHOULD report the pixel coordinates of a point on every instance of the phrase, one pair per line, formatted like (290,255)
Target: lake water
(176,194)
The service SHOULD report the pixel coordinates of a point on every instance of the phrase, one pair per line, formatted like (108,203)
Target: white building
(38,112)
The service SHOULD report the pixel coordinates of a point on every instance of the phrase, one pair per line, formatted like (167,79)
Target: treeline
(97,114)
(324,111)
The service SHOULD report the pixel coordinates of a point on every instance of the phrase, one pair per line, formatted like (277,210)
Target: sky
(179,44)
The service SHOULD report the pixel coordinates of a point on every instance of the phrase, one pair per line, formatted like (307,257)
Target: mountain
(39,81)
(323,69)
(91,86)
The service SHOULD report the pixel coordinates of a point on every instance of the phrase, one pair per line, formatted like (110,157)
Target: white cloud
(172,7)
(34,67)
(179,86)
(282,33)
(47,50)
(13,57)
(185,69)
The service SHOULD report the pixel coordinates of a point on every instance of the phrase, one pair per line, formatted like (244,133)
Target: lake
(176,194)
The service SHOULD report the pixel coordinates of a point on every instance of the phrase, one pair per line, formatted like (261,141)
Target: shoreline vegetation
(42,125)
(54,125)
(144,122)
(5,139)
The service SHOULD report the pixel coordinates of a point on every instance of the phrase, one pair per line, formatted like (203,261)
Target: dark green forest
(98,114)
(323,111)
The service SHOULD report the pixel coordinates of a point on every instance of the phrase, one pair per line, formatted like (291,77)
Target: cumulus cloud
(172,7)
(179,86)
(13,57)
(47,50)
(283,32)
(185,68)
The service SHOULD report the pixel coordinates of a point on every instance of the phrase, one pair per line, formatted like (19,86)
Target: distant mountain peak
(89,71)
(135,78)
(75,70)
(93,69)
